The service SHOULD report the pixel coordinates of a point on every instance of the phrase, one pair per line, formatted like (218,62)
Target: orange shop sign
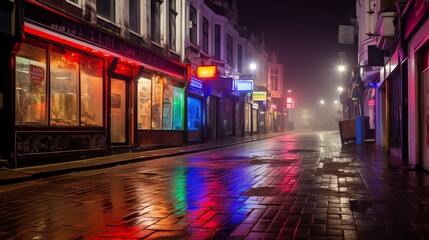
(206,72)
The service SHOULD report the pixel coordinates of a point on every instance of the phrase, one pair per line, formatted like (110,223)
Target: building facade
(393,48)
(87,78)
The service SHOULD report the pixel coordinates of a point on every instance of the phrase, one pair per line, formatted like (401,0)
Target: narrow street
(296,186)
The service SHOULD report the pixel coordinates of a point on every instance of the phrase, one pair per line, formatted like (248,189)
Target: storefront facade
(80,92)
(415,25)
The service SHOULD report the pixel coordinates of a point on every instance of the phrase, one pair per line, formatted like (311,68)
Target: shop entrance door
(424,120)
(213,118)
(118,111)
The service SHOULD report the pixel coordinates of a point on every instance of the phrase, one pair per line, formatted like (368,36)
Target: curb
(56,172)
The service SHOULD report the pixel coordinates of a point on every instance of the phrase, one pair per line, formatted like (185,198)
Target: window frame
(138,15)
(217,42)
(111,19)
(77,4)
(172,23)
(240,58)
(205,29)
(193,30)
(229,50)
(155,25)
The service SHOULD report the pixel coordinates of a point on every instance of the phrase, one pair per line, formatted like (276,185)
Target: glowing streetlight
(252,66)
(340,89)
(322,102)
(341,68)
(335,102)
(289,91)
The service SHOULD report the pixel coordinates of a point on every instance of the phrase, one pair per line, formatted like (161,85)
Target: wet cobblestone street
(296,186)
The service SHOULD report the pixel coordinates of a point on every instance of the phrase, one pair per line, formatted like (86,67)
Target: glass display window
(91,95)
(64,87)
(178,108)
(247,125)
(160,104)
(167,107)
(157,89)
(144,103)
(30,86)
(194,114)
(75,81)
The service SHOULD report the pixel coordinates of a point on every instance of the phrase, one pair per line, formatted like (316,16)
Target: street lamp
(322,102)
(252,66)
(340,89)
(341,68)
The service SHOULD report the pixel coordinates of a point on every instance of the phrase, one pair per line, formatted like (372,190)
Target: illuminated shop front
(160,110)
(259,99)
(81,92)
(195,111)
(59,100)
(244,88)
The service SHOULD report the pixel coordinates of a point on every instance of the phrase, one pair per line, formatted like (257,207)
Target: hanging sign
(259,96)
(290,103)
(243,85)
(206,72)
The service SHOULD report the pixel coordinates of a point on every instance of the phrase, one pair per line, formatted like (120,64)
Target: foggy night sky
(304,36)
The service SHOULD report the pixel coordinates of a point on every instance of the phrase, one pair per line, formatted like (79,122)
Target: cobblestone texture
(296,186)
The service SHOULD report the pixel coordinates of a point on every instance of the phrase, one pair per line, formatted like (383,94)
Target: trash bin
(347,130)
(360,130)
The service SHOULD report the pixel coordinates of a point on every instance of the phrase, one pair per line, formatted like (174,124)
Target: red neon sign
(206,72)
(290,103)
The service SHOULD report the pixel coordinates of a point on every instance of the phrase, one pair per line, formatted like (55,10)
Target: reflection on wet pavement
(294,186)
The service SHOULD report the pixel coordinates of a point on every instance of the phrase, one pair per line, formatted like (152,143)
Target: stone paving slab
(296,186)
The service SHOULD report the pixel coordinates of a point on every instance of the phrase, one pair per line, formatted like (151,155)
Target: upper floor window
(229,51)
(205,35)
(134,15)
(172,25)
(240,58)
(155,22)
(274,85)
(217,42)
(75,2)
(106,9)
(193,21)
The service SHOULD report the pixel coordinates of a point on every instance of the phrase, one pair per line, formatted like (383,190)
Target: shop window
(91,96)
(167,107)
(194,114)
(30,100)
(144,103)
(157,89)
(178,107)
(106,9)
(159,104)
(75,82)
(64,86)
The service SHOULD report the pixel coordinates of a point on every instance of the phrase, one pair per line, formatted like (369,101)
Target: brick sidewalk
(295,186)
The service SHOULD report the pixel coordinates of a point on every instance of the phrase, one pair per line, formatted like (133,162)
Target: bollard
(360,130)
